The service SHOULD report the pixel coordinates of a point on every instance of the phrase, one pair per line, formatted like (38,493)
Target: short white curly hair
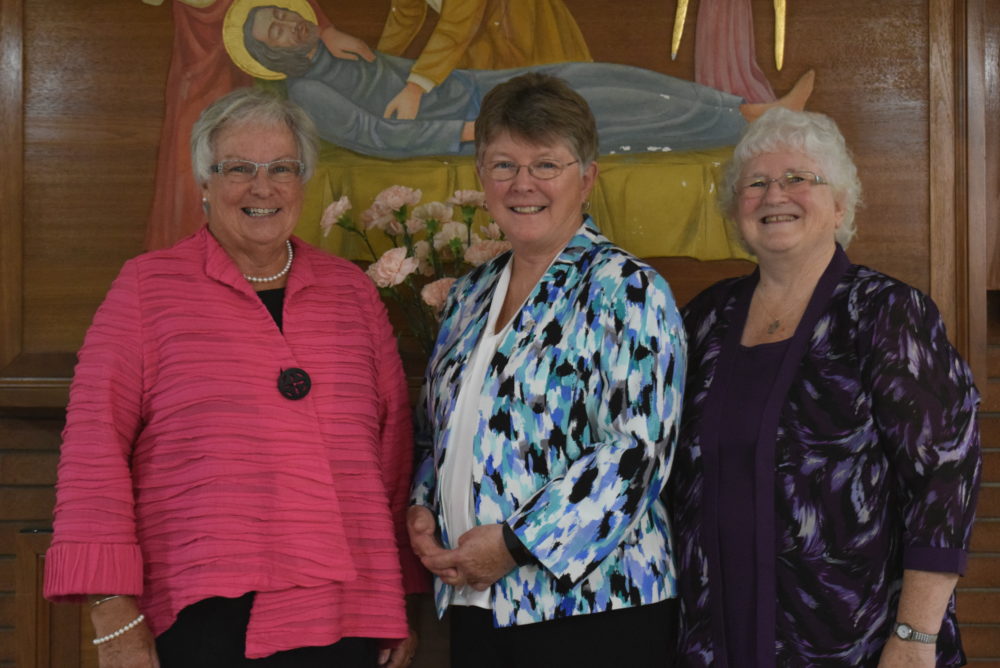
(812,134)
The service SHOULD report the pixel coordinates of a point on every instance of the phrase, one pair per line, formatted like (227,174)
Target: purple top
(745,396)
(867,463)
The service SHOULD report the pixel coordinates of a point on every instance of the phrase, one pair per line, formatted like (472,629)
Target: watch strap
(912,635)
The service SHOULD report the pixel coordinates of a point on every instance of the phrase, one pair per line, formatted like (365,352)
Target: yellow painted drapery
(651,204)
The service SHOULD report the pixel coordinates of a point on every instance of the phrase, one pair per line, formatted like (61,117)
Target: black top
(274,301)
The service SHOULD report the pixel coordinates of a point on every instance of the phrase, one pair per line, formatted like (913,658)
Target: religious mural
(373,106)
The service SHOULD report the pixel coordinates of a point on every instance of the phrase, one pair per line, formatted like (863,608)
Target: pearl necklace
(284,270)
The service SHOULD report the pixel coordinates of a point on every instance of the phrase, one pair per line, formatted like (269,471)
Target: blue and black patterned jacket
(578,418)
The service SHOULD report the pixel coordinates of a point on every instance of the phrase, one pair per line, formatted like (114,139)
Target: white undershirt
(456,472)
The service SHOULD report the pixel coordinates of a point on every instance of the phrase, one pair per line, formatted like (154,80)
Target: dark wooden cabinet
(47,635)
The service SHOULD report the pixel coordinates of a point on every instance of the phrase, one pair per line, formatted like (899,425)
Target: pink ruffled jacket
(184,474)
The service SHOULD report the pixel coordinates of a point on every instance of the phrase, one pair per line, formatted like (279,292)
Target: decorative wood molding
(958,159)
(942,137)
(12,184)
(973,262)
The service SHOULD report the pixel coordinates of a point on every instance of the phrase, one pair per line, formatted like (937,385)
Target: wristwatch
(904,631)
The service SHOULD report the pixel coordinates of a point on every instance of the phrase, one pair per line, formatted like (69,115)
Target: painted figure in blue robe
(637,110)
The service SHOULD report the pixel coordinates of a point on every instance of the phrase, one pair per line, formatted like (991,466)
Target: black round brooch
(294,383)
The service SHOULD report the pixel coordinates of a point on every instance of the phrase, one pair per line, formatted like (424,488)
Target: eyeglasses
(505,170)
(243,171)
(754,187)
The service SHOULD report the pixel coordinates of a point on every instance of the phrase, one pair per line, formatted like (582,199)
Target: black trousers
(642,637)
(212,634)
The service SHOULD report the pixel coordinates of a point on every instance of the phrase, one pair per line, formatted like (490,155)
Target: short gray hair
(812,134)
(250,105)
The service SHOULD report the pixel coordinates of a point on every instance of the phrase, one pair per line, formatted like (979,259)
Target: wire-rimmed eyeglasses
(754,187)
(505,170)
(242,171)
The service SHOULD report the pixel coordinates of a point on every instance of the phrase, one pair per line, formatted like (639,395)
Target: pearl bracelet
(125,629)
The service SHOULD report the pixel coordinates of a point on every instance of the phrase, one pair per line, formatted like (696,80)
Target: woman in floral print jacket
(826,477)
(553,399)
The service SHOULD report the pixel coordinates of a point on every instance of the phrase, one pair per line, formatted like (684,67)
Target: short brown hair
(539,108)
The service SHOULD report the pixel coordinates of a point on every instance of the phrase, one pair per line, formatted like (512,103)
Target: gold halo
(232,33)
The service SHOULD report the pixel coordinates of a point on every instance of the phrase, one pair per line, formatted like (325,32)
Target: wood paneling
(986,535)
(978,607)
(92,124)
(27,504)
(50,636)
(688,277)
(79,122)
(989,500)
(941,190)
(991,462)
(12,184)
(991,58)
(982,572)
(981,640)
(28,456)
(989,430)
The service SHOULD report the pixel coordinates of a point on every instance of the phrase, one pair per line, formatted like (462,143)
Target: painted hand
(348,47)
(406,104)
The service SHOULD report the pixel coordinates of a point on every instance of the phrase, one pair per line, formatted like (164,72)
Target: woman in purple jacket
(825,481)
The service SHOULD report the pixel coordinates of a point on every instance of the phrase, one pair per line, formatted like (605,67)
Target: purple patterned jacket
(868,462)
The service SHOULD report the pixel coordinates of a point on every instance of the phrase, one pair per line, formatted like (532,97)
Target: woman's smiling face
(537,216)
(779,221)
(260,213)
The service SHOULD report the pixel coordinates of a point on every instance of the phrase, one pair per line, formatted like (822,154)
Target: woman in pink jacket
(237,451)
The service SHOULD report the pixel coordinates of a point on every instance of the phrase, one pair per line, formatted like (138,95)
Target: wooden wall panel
(991,60)
(28,455)
(94,77)
(12,183)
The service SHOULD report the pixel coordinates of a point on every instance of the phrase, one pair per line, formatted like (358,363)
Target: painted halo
(232,33)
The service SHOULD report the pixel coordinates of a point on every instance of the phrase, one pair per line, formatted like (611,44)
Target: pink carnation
(395,197)
(449,231)
(491,231)
(468,198)
(333,213)
(377,217)
(433,211)
(415,225)
(435,293)
(422,251)
(484,250)
(392,268)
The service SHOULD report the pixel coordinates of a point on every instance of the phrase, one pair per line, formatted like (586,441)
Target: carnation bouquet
(429,249)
